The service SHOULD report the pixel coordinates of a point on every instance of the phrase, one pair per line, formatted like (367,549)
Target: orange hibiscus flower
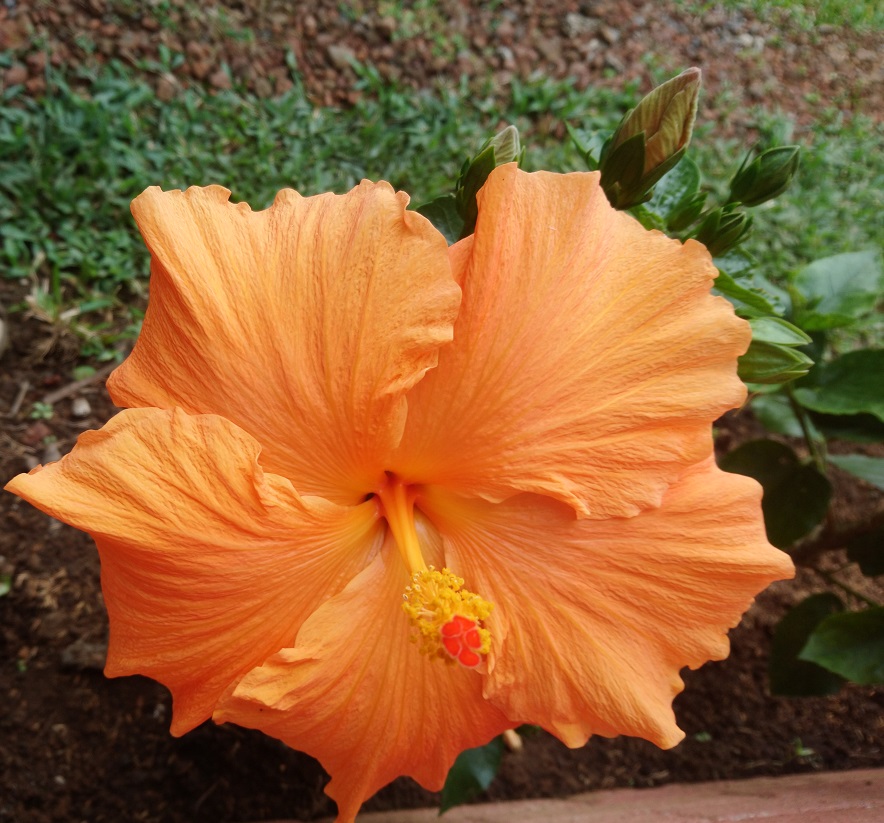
(344,437)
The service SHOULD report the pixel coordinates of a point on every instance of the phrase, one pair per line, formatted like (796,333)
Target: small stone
(200,69)
(51,454)
(220,80)
(714,19)
(36,61)
(341,57)
(15,75)
(578,24)
(35,433)
(80,407)
(36,86)
(283,84)
(166,90)
(506,31)
(197,50)
(507,58)
(82,654)
(615,63)
(609,34)
(550,48)
(263,87)
(387,26)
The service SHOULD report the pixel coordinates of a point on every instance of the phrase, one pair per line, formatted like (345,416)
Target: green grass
(71,162)
(858,14)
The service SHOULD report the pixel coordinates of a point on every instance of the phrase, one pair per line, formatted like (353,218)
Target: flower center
(446,619)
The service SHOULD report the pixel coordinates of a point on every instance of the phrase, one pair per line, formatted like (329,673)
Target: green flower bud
(686,212)
(507,146)
(766,177)
(772,363)
(650,140)
(504,147)
(722,230)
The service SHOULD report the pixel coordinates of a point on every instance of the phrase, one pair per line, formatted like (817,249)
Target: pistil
(446,618)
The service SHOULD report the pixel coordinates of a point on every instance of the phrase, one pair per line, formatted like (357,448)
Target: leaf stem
(816,455)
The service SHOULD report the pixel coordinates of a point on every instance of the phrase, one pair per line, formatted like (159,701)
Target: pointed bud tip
(663,121)
(507,146)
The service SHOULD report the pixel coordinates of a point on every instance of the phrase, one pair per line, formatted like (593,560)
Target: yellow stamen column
(445,616)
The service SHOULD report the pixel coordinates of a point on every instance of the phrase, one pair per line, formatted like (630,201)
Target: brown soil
(745,61)
(76,746)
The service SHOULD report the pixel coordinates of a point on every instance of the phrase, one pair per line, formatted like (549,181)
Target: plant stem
(816,455)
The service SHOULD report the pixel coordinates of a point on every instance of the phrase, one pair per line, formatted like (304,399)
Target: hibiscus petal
(589,358)
(209,565)
(303,324)
(358,696)
(594,619)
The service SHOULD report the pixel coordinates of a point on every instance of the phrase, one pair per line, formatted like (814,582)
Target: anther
(446,618)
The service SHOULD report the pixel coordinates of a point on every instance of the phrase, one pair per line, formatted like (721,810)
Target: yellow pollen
(445,617)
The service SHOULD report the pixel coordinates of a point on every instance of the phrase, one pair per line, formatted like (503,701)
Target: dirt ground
(745,61)
(75,746)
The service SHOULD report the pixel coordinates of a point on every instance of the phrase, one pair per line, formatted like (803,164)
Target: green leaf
(780,298)
(590,146)
(774,412)
(742,269)
(442,213)
(737,263)
(5,584)
(868,551)
(837,291)
(850,644)
(675,188)
(858,428)
(870,469)
(789,675)
(82,372)
(852,384)
(472,772)
(772,363)
(777,330)
(796,496)
(747,302)
(472,180)
(649,219)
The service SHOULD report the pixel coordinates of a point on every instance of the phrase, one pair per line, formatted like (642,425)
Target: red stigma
(460,639)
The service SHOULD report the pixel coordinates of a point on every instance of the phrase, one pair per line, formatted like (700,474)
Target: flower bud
(650,140)
(686,212)
(504,147)
(507,146)
(722,230)
(773,356)
(766,177)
